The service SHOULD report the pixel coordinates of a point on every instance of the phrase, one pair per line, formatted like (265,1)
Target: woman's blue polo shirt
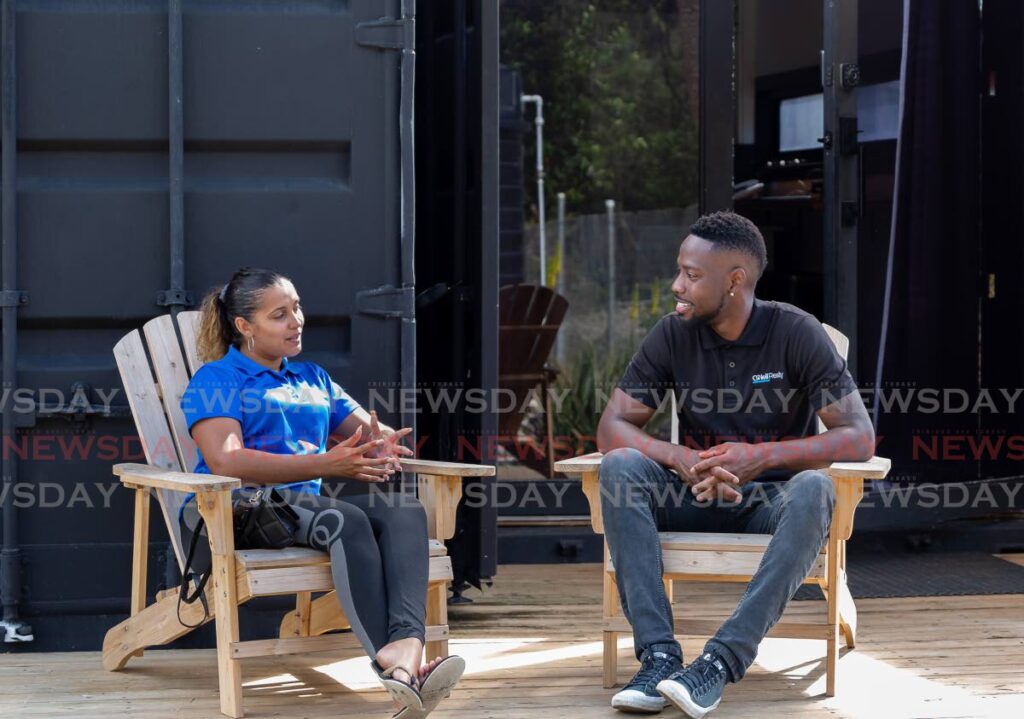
(276,408)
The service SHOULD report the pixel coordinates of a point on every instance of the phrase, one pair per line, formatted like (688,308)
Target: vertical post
(176,150)
(541,216)
(609,206)
(407,200)
(487,35)
(560,277)
(717,103)
(176,298)
(14,630)
(840,77)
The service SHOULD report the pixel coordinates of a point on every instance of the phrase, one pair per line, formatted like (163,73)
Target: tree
(619,87)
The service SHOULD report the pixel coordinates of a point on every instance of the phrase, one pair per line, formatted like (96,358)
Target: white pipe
(541,219)
(609,206)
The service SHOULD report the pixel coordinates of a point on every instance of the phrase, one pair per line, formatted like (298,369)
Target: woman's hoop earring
(251,343)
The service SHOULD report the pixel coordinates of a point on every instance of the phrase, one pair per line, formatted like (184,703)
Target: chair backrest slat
(173,378)
(155,385)
(530,317)
(152,425)
(188,325)
(842,345)
(528,306)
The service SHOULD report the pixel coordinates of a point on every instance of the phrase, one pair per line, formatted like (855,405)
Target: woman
(257,415)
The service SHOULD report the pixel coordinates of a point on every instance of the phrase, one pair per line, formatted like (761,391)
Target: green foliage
(587,381)
(618,80)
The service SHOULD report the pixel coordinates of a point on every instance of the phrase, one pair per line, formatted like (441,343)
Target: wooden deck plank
(533,644)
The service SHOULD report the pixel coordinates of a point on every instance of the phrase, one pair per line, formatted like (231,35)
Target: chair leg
(225,601)
(831,660)
(611,611)
(437,615)
(140,549)
(325,615)
(303,610)
(611,659)
(832,597)
(847,615)
(847,607)
(154,626)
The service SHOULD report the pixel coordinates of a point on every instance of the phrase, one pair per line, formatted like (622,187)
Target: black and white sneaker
(697,689)
(641,695)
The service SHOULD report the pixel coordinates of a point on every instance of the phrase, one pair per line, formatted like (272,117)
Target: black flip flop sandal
(405,693)
(434,687)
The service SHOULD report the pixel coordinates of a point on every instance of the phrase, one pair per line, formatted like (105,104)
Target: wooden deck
(534,650)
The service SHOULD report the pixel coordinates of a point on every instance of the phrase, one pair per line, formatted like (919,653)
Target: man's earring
(731,293)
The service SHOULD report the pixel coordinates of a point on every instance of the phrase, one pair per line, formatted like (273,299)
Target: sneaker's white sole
(680,698)
(631,700)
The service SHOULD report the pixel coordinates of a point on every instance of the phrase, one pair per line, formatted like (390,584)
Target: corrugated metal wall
(289,155)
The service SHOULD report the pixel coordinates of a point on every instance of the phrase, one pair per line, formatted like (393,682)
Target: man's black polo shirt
(764,386)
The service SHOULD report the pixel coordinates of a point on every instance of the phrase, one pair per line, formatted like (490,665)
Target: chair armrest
(140,476)
(440,489)
(432,468)
(848,478)
(874,468)
(580,465)
(587,466)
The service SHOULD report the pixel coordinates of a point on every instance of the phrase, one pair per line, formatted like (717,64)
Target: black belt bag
(261,519)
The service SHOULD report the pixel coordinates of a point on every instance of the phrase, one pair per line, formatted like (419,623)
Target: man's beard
(706,317)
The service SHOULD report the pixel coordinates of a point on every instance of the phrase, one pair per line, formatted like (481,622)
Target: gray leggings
(379,558)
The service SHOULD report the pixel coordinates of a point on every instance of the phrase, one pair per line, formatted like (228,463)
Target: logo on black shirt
(765,377)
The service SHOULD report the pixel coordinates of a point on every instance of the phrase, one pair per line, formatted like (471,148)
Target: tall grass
(587,381)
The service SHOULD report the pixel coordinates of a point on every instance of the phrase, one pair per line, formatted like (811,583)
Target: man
(750,378)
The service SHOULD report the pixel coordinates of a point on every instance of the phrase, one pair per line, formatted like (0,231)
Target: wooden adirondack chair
(529,319)
(154,393)
(712,557)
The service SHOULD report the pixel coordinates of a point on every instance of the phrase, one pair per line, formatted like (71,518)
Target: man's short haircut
(730,231)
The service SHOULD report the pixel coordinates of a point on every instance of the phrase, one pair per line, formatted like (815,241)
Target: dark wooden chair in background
(529,319)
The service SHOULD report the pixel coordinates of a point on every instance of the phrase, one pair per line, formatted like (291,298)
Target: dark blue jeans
(640,497)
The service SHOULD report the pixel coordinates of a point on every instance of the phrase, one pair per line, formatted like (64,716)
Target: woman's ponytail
(215,330)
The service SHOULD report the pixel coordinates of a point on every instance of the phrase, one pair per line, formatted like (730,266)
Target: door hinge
(388,33)
(388,302)
(849,75)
